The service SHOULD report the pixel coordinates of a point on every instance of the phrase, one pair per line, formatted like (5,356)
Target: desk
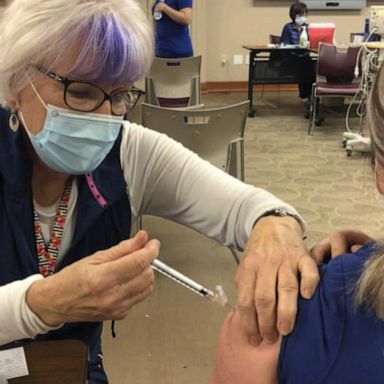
(53,362)
(265,67)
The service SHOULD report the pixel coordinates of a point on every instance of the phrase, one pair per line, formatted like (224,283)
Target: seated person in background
(301,62)
(339,333)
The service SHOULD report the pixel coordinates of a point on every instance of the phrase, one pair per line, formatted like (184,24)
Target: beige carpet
(170,338)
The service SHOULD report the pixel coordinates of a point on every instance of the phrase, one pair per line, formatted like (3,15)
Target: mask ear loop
(20,113)
(37,93)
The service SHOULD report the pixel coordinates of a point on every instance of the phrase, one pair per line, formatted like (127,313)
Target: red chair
(335,77)
(274,39)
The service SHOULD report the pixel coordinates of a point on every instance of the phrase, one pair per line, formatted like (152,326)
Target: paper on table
(13,363)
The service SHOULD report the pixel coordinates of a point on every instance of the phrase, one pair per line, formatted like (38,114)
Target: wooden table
(53,362)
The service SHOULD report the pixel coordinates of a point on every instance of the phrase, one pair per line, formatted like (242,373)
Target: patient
(339,333)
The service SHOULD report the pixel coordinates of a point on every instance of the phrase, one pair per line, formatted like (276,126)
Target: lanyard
(47,255)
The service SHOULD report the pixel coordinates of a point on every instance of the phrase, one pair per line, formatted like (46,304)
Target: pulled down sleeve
(17,321)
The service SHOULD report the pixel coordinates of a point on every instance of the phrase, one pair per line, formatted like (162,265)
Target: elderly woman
(73,176)
(339,333)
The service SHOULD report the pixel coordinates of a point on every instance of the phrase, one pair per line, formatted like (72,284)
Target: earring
(14,122)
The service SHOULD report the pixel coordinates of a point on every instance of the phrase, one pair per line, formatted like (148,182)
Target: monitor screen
(335,4)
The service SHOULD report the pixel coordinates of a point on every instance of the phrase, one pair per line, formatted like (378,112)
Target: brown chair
(335,76)
(274,39)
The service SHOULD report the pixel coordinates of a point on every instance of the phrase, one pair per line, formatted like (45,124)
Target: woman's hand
(267,278)
(161,7)
(99,287)
(182,16)
(339,242)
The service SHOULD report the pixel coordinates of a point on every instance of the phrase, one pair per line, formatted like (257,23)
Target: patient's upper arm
(239,362)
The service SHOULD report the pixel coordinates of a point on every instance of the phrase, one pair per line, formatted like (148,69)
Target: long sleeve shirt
(163,179)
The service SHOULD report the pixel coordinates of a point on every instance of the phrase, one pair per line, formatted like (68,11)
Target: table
(266,66)
(53,362)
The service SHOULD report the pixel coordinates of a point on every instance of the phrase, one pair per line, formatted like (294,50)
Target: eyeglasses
(83,96)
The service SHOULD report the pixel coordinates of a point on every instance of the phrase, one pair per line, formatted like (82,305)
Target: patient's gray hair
(370,288)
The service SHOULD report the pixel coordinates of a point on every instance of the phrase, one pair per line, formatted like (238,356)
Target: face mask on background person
(300,20)
(73,142)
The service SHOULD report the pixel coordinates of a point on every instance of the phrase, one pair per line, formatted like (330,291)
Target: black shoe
(319,120)
(307,104)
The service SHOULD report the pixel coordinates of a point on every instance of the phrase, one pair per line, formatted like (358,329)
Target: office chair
(216,135)
(274,39)
(335,77)
(174,83)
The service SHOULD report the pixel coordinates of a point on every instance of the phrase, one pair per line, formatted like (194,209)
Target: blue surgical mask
(300,20)
(72,142)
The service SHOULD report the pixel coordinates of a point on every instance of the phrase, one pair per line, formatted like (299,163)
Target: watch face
(281,212)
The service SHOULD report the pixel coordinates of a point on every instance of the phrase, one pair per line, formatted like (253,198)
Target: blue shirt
(291,36)
(172,39)
(333,342)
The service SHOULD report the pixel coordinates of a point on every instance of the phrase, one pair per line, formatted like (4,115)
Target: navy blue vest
(96,227)
(334,342)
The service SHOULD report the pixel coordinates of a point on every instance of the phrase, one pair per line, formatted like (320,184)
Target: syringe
(218,297)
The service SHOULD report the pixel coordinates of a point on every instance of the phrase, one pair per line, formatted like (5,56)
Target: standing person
(74,175)
(302,64)
(339,333)
(172,19)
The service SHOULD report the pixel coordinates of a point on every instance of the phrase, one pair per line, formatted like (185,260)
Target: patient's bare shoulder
(238,361)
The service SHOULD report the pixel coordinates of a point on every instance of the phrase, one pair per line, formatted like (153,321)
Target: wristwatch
(282,212)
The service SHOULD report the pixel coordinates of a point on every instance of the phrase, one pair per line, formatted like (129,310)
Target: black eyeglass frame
(67,82)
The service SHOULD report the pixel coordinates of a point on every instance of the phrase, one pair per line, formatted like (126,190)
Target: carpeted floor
(170,338)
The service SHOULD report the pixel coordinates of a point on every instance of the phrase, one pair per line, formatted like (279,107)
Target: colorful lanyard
(48,255)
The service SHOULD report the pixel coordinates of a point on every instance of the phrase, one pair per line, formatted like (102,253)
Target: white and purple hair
(113,40)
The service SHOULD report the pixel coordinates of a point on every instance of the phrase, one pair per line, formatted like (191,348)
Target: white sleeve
(166,179)
(17,321)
